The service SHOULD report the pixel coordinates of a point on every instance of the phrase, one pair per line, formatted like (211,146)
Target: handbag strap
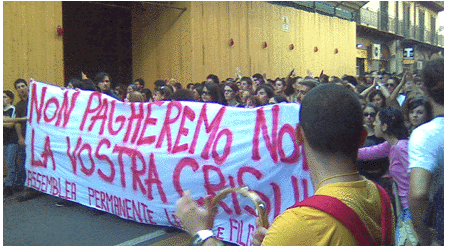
(350,219)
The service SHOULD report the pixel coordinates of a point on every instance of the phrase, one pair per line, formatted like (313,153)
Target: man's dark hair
(433,79)
(213,77)
(141,82)
(248,80)
(351,79)
(100,76)
(88,85)
(164,91)
(9,94)
(259,77)
(332,120)
(214,91)
(160,83)
(311,83)
(182,95)
(148,94)
(20,81)
(337,80)
(280,98)
(395,121)
(414,102)
(76,83)
(363,79)
(178,85)
(289,85)
(379,93)
(267,89)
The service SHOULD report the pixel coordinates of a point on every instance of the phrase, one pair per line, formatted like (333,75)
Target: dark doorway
(360,66)
(97,37)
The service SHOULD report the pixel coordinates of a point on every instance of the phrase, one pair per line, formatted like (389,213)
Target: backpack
(344,214)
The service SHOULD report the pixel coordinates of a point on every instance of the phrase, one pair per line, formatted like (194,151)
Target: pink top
(398,168)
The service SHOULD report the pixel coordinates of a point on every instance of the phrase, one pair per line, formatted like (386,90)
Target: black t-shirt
(21,111)
(9,134)
(373,169)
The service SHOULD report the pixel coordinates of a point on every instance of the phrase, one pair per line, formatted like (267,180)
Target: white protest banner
(134,160)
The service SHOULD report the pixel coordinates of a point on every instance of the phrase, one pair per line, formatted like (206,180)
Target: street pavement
(40,222)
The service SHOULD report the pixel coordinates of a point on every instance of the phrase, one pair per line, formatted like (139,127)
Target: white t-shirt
(401,99)
(426,146)
(426,149)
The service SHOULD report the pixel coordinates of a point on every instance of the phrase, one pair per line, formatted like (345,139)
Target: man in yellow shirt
(331,131)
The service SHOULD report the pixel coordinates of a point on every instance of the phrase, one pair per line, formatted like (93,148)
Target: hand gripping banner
(134,160)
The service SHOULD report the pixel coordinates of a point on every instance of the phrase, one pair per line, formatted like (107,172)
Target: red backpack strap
(386,216)
(341,212)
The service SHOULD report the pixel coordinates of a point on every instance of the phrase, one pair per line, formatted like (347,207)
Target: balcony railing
(384,22)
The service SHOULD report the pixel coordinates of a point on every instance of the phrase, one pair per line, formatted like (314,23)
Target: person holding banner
(331,131)
(21,112)
(9,142)
(104,81)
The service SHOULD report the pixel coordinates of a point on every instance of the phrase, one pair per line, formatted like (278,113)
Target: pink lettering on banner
(134,122)
(103,157)
(212,188)
(258,175)
(211,129)
(66,111)
(62,112)
(54,101)
(115,157)
(34,103)
(123,207)
(153,178)
(90,109)
(189,114)
(147,140)
(120,119)
(172,219)
(166,131)
(237,232)
(45,155)
(52,185)
(220,233)
(72,156)
(262,126)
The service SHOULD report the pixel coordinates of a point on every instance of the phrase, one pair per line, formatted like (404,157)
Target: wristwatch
(201,236)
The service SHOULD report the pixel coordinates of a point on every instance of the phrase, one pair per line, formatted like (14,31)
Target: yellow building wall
(31,45)
(198,42)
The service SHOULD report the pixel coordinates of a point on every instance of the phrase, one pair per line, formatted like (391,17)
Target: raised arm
(374,152)
(369,89)
(14,120)
(394,94)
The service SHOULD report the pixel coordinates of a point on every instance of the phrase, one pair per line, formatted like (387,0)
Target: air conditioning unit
(376,51)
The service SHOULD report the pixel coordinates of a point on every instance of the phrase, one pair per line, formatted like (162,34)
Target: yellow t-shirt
(308,226)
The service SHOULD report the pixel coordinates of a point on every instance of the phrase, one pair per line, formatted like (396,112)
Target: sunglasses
(370,114)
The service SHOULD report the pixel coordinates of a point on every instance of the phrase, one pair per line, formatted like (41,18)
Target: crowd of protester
(393,106)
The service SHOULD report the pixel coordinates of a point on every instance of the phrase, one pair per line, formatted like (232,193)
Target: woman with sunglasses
(390,125)
(376,168)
